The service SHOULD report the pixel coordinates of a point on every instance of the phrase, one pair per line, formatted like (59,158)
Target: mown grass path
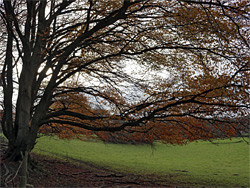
(223,163)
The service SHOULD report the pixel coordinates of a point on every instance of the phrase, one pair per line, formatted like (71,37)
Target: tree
(47,43)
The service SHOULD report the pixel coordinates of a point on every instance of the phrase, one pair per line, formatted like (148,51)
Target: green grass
(225,164)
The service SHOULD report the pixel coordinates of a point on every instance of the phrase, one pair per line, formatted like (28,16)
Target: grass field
(223,164)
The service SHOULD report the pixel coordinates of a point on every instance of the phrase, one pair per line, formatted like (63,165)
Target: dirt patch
(65,174)
(50,172)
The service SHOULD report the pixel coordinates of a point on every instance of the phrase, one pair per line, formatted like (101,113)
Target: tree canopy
(58,56)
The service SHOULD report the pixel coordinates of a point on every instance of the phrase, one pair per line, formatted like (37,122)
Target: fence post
(24,169)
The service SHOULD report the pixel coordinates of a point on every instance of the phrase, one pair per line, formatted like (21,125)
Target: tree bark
(7,74)
(15,150)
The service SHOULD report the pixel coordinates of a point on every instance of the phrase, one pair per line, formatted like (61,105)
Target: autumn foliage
(173,130)
(75,103)
(64,70)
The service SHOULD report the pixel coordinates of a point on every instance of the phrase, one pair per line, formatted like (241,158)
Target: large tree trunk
(23,140)
(16,149)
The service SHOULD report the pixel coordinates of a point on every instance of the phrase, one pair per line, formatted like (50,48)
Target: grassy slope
(201,164)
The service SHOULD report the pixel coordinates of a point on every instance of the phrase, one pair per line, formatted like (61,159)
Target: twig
(6,174)
(7,170)
(109,175)
(16,172)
